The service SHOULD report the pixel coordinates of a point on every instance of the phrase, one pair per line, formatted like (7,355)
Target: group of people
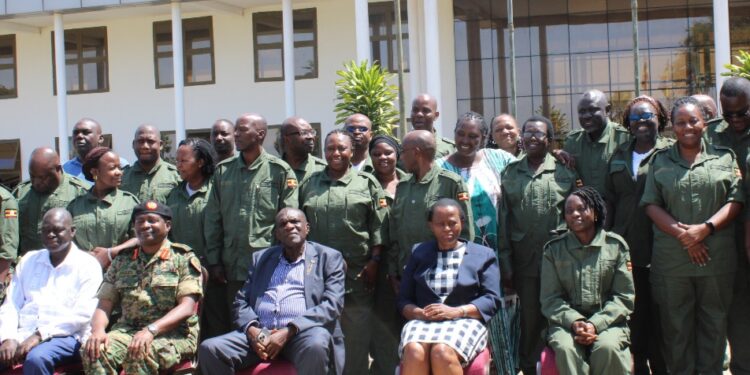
(628,250)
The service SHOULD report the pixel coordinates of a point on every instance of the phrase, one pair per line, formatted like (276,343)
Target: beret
(152,207)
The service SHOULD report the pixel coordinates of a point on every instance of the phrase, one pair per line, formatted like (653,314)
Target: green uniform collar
(203,189)
(345,179)
(109,198)
(548,164)
(257,163)
(606,133)
(137,167)
(571,241)
(723,127)
(674,154)
(429,176)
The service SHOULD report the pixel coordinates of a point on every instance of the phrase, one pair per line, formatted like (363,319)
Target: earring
(95,178)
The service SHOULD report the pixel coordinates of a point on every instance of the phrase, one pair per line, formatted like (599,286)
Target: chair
(480,365)
(272,367)
(67,369)
(546,364)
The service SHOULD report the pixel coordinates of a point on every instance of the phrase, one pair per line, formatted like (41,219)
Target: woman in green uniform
(384,153)
(587,291)
(102,216)
(646,118)
(533,199)
(196,162)
(693,193)
(345,210)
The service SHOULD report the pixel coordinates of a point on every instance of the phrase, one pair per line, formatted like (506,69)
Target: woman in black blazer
(449,291)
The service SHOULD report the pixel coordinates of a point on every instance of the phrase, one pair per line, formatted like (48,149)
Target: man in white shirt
(50,300)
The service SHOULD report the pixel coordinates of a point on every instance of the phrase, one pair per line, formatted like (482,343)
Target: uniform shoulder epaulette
(618,127)
(370,177)
(170,166)
(449,175)
(575,133)
(714,121)
(73,180)
(226,161)
(318,160)
(23,187)
(5,193)
(556,238)
(181,247)
(127,168)
(129,194)
(273,159)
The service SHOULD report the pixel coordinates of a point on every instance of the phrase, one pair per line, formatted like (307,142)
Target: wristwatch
(152,329)
(711,227)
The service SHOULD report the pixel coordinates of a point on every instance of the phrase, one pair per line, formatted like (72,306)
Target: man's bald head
(146,128)
(593,112)
(734,87)
(296,138)
(708,104)
(422,139)
(424,112)
(45,171)
(250,131)
(735,103)
(57,231)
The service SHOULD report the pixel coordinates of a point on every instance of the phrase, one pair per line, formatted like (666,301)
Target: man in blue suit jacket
(289,307)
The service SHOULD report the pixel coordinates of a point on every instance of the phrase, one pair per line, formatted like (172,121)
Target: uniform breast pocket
(267,195)
(164,288)
(567,275)
(608,269)
(358,205)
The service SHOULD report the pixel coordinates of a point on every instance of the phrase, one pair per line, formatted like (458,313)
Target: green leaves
(741,70)
(365,89)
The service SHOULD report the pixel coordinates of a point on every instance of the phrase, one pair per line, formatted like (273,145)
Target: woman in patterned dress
(449,291)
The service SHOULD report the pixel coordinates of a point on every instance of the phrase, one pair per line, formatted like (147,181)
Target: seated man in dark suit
(289,307)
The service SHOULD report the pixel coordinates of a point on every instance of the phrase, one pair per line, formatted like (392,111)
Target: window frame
(14,65)
(79,61)
(280,45)
(187,53)
(387,10)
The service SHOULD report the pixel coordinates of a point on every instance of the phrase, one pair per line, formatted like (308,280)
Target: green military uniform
(592,283)
(241,210)
(146,287)
(443,146)
(152,185)
(32,206)
(685,292)
(532,205)
(408,220)
(387,321)
(8,234)
(311,165)
(720,133)
(592,157)
(347,215)
(187,225)
(367,166)
(631,222)
(105,222)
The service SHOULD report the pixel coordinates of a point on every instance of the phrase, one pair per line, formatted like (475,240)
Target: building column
(722,54)
(415,61)
(179,73)
(432,53)
(288,36)
(362,30)
(61,85)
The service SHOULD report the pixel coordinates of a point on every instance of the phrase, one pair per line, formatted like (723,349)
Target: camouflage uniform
(8,233)
(147,287)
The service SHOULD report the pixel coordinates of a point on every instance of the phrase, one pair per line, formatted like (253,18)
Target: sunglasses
(642,117)
(361,129)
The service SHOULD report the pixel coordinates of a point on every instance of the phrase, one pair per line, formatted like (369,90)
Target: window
(86,67)
(269,45)
(383,35)
(8,66)
(198,52)
(10,162)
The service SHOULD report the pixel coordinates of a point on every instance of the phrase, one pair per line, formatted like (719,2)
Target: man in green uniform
(222,138)
(8,238)
(424,112)
(360,127)
(247,193)
(414,197)
(296,143)
(150,177)
(47,188)
(733,130)
(588,287)
(533,201)
(156,286)
(593,145)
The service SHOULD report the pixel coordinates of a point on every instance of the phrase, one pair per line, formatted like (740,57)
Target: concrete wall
(133,99)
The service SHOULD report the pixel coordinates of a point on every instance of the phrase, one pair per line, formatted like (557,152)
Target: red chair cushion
(480,364)
(70,368)
(273,367)
(547,361)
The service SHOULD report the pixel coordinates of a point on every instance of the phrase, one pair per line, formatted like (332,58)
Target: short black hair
(592,199)
(548,122)
(446,202)
(203,150)
(91,160)
(735,86)
(473,116)
(688,100)
(340,132)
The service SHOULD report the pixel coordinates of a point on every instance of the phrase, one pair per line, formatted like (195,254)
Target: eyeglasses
(353,129)
(304,133)
(537,135)
(645,116)
(740,113)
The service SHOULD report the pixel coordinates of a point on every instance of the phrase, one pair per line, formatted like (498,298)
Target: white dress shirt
(55,301)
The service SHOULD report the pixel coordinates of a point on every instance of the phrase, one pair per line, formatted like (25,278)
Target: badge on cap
(463,196)
(11,213)
(151,206)
(291,183)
